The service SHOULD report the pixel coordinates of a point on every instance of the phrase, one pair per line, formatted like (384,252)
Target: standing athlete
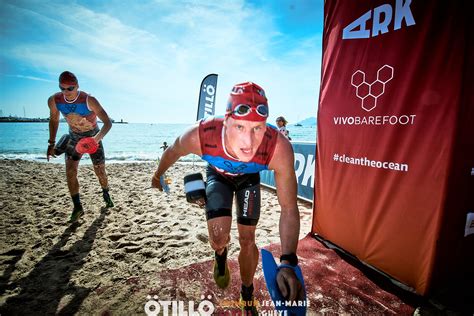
(81,111)
(236,148)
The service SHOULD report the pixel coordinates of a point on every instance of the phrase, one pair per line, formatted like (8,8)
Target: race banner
(305,153)
(395,137)
(207,93)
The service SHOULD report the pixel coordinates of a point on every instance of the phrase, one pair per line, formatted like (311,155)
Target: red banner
(395,147)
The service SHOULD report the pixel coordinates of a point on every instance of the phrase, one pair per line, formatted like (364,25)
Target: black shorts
(98,157)
(220,192)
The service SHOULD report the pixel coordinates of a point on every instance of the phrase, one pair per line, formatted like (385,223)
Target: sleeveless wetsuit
(213,149)
(79,108)
(226,175)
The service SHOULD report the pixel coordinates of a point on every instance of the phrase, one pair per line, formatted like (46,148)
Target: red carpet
(333,285)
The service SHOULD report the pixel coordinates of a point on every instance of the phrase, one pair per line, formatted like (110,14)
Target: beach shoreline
(48,263)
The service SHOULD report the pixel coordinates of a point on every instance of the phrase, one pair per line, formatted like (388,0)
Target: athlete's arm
(53,126)
(187,143)
(95,106)
(283,165)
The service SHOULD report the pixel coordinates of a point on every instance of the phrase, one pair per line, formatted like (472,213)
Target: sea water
(133,142)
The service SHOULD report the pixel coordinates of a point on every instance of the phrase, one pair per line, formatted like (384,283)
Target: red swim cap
(68,78)
(247,101)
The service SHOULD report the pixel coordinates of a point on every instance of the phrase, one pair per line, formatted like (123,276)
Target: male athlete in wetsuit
(81,111)
(237,147)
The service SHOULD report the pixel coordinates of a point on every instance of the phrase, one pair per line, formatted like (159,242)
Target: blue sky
(144,60)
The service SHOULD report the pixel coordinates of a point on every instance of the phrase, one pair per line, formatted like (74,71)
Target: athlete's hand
(50,152)
(289,285)
(155,182)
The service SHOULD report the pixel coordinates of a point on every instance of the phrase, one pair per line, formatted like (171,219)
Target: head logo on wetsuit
(248,203)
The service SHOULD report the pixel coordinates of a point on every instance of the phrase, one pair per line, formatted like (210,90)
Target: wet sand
(49,266)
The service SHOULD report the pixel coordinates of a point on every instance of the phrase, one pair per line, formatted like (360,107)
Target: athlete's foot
(76,213)
(249,307)
(221,270)
(247,301)
(107,199)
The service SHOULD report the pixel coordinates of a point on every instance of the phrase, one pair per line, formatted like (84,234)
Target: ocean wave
(110,158)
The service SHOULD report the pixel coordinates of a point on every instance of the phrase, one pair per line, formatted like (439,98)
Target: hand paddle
(87,145)
(270,270)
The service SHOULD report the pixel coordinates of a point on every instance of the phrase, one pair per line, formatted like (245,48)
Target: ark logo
(370,92)
(381,18)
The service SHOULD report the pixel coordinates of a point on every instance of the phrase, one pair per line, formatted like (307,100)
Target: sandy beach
(52,267)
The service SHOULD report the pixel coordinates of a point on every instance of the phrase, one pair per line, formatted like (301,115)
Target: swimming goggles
(68,88)
(244,110)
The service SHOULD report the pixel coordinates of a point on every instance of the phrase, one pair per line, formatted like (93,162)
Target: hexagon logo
(369,92)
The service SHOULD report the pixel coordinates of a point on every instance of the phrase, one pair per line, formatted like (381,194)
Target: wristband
(291,258)
(51,142)
(284,265)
